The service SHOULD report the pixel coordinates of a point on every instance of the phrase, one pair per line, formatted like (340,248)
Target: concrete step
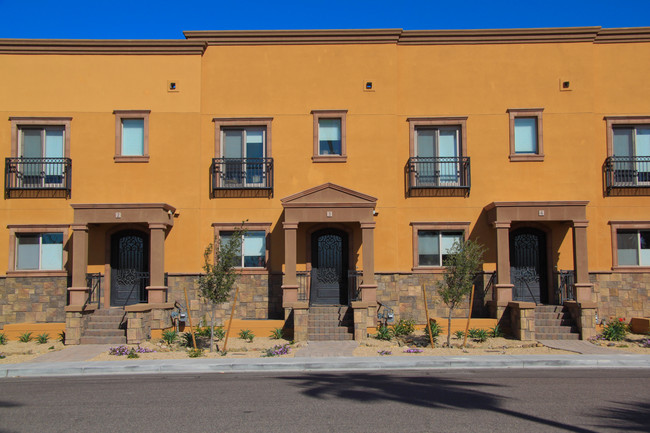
(110,326)
(554,329)
(553,322)
(552,316)
(104,333)
(108,312)
(103,340)
(549,308)
(323,337)
(541,336)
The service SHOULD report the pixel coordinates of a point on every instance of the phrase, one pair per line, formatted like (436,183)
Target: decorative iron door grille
(129,268)
(329,275)
(528,265)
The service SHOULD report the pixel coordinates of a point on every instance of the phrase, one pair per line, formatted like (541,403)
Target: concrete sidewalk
(300,364)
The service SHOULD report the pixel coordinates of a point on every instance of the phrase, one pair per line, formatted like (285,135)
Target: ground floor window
(633,247)
(433,246)
(252,250)
(39,251)
(432,242)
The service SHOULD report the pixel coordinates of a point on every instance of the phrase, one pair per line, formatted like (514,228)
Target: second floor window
(526,139)
(131,135)
(437,152)
(329,136)
(631,148)
(244,150)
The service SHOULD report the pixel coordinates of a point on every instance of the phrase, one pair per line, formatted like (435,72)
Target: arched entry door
(329,275)
(129,267)
(528,270)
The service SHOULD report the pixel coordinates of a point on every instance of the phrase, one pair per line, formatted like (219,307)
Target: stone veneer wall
(621,294)
(260,297)
(403,293)
(32,299)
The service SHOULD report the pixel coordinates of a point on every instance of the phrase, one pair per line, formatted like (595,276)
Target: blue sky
(163,19)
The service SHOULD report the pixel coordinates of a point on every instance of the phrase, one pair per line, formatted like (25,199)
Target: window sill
(329,158)
(521,157)
(122,158)
(428,270)
(252,271)
(631,269)
(37,273)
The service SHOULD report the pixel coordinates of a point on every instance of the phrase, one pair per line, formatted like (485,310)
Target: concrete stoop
(330,323)
(553,322)
(105,326)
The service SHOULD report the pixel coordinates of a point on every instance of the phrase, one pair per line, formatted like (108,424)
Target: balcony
(438,176)
(627,175)
(242,176)
(34,177)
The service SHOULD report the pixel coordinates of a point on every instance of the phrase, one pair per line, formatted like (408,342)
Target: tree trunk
(212,329)
(449,327)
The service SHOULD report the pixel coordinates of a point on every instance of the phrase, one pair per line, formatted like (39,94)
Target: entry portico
(329,205)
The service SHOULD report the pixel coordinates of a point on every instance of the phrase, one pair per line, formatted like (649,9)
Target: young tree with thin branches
(463,261)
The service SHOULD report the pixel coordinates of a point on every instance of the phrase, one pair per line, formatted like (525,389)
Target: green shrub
(3,338)
(434,330)
(277,334)
(25,338)
(383,333)
(459,334)
(219,333)
(403,327)
(132,354)
(480,335)
(615,330)
(62,336)
(246,334)
(496,332)
(42,339)
(195,353)
(170,336)
(202,331)
(186,339)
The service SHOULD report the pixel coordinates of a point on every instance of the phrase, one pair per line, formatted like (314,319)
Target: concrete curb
(175,366)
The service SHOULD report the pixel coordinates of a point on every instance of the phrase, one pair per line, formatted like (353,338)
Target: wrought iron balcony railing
(38,174)
(627,172)
(242,173)
(439,172)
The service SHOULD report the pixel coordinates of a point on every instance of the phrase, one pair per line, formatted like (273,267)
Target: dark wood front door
(528,270)
(329,275)
(129,267)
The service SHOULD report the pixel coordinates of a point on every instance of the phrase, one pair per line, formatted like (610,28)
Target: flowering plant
(410,350)
(124,351)
(277,350)
(385,352)
(615,330)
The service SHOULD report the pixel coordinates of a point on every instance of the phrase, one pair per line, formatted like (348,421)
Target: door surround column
(503,287)
(79,290)
(156,290)
(582,287)
(290,282)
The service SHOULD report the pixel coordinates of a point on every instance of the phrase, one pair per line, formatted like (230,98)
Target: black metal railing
(304,283)
(439,172)
(38,174)
(242,173)
(627,172)
(94,284)
(354,280)
(564,286)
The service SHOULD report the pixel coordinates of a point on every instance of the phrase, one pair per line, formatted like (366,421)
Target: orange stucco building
(355,159)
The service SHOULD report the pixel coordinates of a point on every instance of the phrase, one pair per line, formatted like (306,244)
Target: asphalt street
(504,400)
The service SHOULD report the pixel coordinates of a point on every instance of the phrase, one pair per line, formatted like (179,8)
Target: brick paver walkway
(580,346)
(318,349)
